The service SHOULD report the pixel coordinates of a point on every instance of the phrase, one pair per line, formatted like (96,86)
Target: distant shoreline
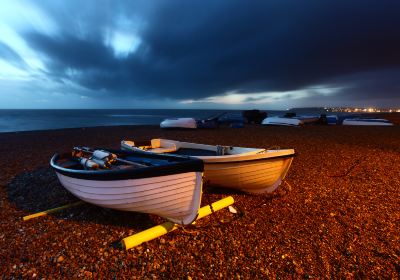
(14,121)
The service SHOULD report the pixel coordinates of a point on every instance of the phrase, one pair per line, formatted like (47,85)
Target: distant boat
(189,123)
(290,119)
(367,121)
(250,170)
(282,121)
(164,185)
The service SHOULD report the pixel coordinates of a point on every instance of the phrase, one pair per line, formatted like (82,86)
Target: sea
(12,120)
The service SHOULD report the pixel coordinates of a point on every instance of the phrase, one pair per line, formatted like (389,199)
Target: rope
(287,183)
(275,147)
(347,172)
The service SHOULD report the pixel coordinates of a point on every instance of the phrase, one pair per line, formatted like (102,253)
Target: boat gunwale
(229,160)
(256,154)
(182,165)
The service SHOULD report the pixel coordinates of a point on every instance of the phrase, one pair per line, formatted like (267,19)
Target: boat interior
(187,149)
(131,161)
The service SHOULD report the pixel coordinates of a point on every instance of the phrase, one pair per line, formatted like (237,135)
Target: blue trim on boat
(164,164)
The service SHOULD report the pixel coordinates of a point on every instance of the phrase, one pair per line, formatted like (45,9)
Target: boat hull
(187,123)
(164,185)
(373,122)
(262,175)
(175,197)
(247,169)
(282,121)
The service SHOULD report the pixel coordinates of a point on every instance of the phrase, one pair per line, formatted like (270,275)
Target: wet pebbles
(337,216)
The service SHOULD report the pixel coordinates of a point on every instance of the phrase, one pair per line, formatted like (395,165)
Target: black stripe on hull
(175,165)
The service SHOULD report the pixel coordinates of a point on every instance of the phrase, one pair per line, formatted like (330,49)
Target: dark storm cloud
(372,85)
(197,49)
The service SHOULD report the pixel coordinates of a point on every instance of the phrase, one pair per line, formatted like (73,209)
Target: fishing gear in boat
(87,163)
(164,185)
(99,159)
(223,150)
(102,158)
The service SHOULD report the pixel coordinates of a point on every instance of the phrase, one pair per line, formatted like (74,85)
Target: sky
(225,54)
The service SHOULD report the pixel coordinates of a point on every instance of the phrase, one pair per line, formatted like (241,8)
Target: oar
(114,157)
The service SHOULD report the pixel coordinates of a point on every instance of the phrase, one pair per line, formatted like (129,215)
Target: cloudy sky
(199,54)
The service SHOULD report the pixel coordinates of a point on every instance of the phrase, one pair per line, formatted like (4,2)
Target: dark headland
(338,216)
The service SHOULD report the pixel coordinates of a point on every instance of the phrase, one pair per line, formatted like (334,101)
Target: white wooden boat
(366,121)
(179,123)
(247,169)
(291,119)
(282,121)
(164,185)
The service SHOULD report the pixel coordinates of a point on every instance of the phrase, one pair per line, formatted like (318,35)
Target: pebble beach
(337,215)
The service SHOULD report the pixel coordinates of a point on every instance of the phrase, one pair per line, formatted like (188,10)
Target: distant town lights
(366,110)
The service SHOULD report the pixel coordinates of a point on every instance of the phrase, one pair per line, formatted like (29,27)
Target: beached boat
(164,185)
(179,123)
(366,121)
(247,169)
(282,121)
(290,119)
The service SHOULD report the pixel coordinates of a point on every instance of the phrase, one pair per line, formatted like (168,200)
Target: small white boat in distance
(164,185)
(179,123)
(367,121)
(247,169)
(291,119)
(282,121)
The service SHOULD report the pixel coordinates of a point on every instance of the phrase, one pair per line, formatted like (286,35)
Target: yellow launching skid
(44,213)
(154,232)
(151,233)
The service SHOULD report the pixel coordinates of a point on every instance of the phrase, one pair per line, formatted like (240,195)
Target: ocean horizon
(14,120)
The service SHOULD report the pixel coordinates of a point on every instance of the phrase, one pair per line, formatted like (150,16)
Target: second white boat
(247,169)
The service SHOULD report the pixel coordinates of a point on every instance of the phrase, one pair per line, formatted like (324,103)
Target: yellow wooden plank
(157,231)
(44,213)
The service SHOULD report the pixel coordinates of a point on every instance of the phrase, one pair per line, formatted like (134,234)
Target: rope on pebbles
(351,168)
